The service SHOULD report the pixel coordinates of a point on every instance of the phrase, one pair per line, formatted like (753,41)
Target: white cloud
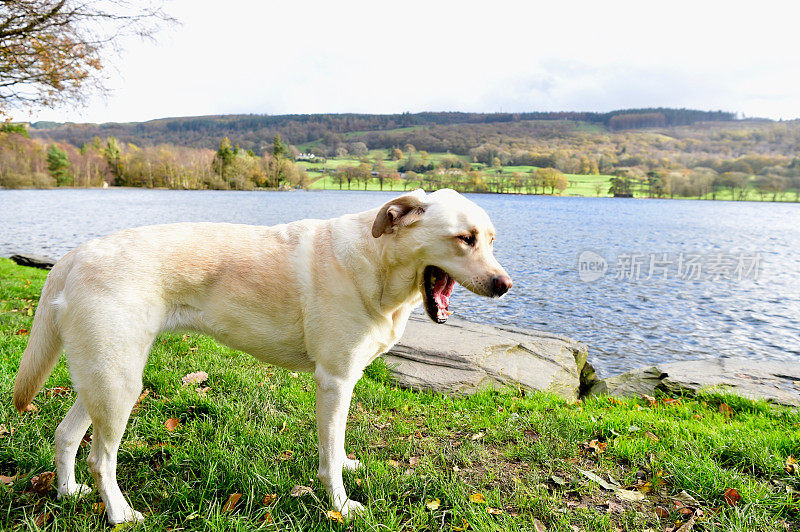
(377,57)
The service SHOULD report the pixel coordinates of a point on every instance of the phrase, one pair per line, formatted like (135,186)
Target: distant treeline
(254,131)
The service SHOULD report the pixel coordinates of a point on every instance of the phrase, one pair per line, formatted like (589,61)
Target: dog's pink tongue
(442,291)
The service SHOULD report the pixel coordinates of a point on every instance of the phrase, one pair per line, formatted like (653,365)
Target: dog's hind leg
(68,438)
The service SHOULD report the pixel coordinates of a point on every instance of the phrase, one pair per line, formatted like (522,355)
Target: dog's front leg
(333,402)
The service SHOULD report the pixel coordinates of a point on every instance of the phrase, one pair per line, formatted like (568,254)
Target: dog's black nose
(501,284)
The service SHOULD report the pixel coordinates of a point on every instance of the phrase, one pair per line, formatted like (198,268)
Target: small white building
(305,157)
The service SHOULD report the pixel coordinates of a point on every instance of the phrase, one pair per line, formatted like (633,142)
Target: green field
(495,461)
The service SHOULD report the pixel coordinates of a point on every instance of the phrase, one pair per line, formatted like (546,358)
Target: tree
(58,165)
(113,156)
(397,154)
(51,50)
(224,158)
(279,149)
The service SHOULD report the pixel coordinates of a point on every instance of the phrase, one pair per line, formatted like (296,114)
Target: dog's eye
(467,239)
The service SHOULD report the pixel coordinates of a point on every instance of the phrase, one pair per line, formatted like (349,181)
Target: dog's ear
(399,212)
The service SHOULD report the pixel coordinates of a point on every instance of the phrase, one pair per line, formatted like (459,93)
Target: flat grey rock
(775,381)
(34,261)
(461,357)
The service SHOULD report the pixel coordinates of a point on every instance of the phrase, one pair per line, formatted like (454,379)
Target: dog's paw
(351,465)
(352,509)
(75,490)
(129,515)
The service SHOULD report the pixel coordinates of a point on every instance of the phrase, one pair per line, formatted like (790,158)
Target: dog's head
(449,239)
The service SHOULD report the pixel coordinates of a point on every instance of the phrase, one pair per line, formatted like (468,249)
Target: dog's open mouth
(438,287)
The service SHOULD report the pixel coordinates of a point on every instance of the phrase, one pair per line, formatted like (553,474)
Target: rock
(462,357)
(775,381)
(34,261)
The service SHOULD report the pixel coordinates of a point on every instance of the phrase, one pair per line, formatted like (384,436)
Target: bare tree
(52,51)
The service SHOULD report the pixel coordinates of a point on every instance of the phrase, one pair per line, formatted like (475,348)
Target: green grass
(253,433)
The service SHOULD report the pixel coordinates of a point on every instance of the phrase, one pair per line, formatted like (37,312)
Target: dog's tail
(44,343)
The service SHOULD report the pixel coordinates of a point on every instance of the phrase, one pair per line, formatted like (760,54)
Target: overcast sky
(390,57)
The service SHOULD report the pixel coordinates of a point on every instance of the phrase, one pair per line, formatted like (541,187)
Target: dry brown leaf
(286,455)
(726,410)
(42,483)
(32,408)
(203,390)
(414,460)
(7,480)
(790,465)
(171,424)
(98,507)
(687,526)
(478,436)
(531,435)
(650,436)
(732,496)
(269,498)
(662,512)
(651,401)
(335,516)
(5,432)
(230,504)
(477,498)
(394,463)
(42,519)
(464,526)
(138,404)
(299,491)
(493,511)
(266,518)
(538,526)
(629,495)
(434,504)
(22,332)
(198,377)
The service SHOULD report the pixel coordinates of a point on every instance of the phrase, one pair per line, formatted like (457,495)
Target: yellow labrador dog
(326,296)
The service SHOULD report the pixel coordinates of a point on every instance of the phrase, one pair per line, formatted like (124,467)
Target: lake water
(683,279)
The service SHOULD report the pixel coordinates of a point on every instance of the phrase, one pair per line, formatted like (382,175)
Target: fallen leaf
(598,447)
(335,516)
(478,436)
(7,480)
(230,504)
(790,465)
(493,511)
(283,427)
(269,498)
(202,390)
(31,408)
(669,401)
(651,401)
(98,507)
(614,507)
(647,487)
(394,463)
(414,460)
(662,512)
(42,483)
(266,518)
(531,435)
(603,484)
(558,480)
(433,505)
(27,283)
(299,491)
(42,519)
(286,455)
(629,495)
(464,526)
(687,526)
(650,436)
(141,398)
(22,332)
(57,390)
(633,428)
(732,496)
(171,424)
(685,498)
(477,498)
(538,526)
(726,410)
(198,377)
(294,374)
(4,431)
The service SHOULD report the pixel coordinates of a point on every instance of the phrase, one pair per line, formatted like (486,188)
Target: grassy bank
(495,461)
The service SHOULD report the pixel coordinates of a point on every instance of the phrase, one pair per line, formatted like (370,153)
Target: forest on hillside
(650,152)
